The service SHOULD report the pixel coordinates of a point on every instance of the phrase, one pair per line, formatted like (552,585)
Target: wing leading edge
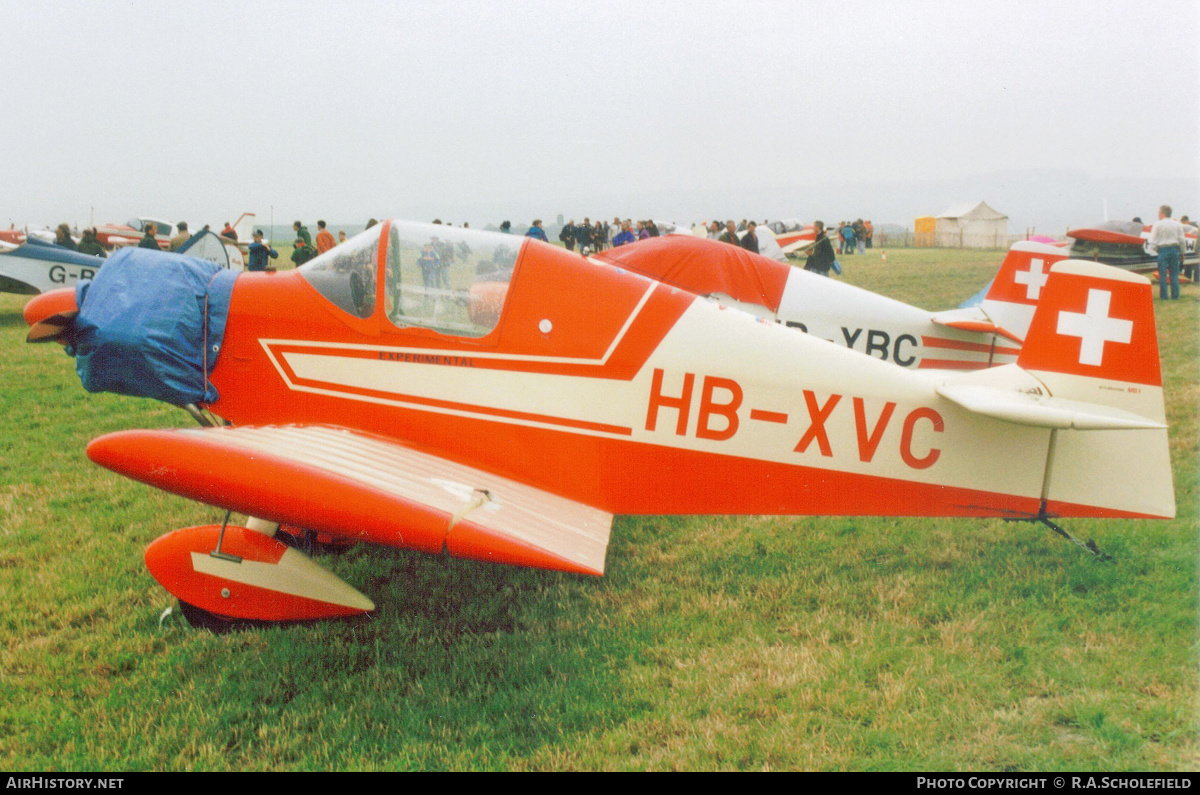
(359,486)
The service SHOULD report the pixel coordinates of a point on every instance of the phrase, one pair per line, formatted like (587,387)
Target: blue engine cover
(151,324)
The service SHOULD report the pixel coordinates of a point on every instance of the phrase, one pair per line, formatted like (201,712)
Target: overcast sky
(469,111)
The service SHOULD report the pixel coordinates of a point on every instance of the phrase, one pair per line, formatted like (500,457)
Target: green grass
(712,643)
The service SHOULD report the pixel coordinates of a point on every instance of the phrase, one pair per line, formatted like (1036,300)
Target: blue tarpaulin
(151,324)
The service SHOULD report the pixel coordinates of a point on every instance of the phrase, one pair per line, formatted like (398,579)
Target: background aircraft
(34,266)
(130,233)
(792,235)
(961,339)
(372,399)
(1122,244)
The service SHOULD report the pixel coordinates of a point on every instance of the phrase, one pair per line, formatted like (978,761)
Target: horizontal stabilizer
(1041,410)
(972,319)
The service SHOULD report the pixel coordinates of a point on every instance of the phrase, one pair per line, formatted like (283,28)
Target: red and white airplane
(1124,244)
(957,339)
(131,232)
(497,398)
(792,235)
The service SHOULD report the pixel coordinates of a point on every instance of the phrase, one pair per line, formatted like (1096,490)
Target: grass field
(712,643)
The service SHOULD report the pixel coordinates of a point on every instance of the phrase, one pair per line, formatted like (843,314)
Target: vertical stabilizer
(1018,286)
(1092,340)
(1093,337)
(244,226)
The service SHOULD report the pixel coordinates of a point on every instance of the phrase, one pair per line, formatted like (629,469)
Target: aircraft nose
(50,315)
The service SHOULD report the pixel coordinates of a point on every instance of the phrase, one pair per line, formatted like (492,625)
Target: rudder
(1092,339)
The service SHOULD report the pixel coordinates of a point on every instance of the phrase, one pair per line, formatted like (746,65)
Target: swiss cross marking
(1033,279)
(1094,327)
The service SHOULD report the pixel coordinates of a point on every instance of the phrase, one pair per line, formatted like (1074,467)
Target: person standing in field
(870,232)
(1167,240)
(324,239)
(148,240)
(730,234)
(625,236)
(1188,269)
(535,231)
(600,236)
(445,258)
(62,237)
(821,258)
(90,244)
(583,235)
(259,252)
(302,233)
(430,264)
(181,238)
(229,232)
(567,235)
(302,251)
(750,239)
(341,236)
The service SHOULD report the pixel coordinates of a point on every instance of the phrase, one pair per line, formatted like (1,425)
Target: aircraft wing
(359,486)
(972,319)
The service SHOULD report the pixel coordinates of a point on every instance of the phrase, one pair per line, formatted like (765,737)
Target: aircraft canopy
(442,277)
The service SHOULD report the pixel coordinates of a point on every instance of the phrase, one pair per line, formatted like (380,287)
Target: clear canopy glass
(445,278)
(346,273)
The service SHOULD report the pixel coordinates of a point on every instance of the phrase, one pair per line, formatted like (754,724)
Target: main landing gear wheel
(200,618)
(307,542)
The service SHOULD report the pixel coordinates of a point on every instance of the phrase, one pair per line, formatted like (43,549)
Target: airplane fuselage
(634,397)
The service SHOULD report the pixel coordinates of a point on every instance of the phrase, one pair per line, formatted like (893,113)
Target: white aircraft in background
(956,339)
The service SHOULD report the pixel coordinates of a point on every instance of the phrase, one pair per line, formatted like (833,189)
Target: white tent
(971,226)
